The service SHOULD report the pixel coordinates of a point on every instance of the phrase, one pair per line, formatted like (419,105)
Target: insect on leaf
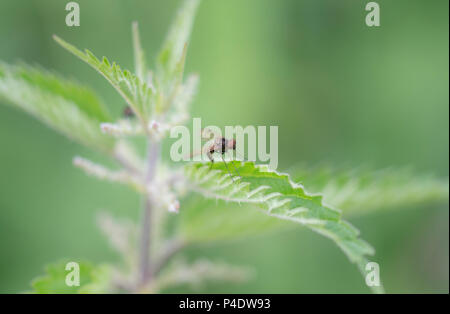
(280,198)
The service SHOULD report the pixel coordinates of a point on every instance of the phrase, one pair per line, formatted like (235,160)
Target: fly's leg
(210,157)
(240,156)
(235,168)
(226,166)
(232,162)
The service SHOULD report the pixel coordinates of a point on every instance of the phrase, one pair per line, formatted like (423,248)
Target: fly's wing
(239,156)
(208,134)
(232,154)
(201,152)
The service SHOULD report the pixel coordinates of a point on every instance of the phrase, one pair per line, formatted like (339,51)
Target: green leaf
(92,279)
(205,220)
(64,105)
(100,281)
(139,56)
(200,273)
(171,58)
(134,91)
(183,97)
(280,198)
(357,191)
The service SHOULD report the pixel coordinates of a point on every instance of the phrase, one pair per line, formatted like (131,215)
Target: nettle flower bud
(154,125)
(174,207)
(115,129)
(122,128)
(158,129)
(162,195)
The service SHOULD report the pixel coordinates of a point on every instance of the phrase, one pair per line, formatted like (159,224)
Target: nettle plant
(171,217)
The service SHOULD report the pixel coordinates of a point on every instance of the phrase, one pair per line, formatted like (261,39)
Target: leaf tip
(56,38)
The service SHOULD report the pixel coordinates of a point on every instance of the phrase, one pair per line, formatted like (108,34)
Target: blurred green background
(338,90)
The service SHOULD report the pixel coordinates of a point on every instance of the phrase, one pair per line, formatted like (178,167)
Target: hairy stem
(145,267)
(171,249)
(126,164)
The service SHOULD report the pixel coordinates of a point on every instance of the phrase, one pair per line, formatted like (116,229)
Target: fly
(128,112)
(220,145)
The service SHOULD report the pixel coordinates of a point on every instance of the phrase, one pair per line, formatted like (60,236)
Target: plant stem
(171,249)
(145,267)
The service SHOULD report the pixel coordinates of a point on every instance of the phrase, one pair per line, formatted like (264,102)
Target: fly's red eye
(232,144)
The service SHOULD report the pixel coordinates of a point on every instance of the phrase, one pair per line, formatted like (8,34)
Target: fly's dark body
(220,145)
(128,112)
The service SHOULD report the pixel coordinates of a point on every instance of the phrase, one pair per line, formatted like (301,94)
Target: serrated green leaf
(54,281)
(199,273)
(100,281)
(182,98)
(172,55)
(64,105)
(205,220)
(139,56)
(134,91)
(281,198)
(358,191)
(93,279)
